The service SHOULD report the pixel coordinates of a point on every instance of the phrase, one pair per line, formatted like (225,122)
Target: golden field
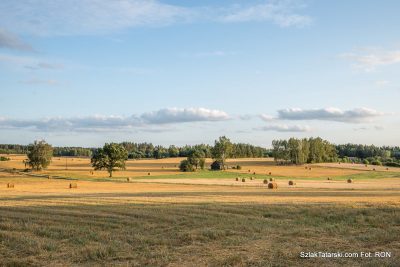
(204,218)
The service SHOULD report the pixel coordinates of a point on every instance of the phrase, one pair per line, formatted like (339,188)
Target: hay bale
(265,181)
(148,173)
(273,186)
(366,165)
(292,183)
(243,180)
(306,167)
(387,169)
(309,168)
(374,169)
(237,179)
(270,173)
(249,171)
(271,179)
(349,181)
(128,179)
(254,173)
(329,178)
(251,178)
(49,177)
(10,185)
(73,185)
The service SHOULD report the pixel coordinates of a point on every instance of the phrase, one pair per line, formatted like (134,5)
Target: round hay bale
(128,179)
(249,171)
(265,181)
(329,178)
(309,168)
(273,186)
(306,167)
(73,185)
(292,183)
(254,173)
(271,179)
(237,179)
(243,180)
(270,173)
(252,178)
(387,169)
(49,177)
(148,173)
(10,185)
(374,169)
(349,181)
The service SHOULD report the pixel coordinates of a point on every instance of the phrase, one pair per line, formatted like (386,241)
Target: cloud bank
(357,115)
(111,123)
(369,60)
(284,128)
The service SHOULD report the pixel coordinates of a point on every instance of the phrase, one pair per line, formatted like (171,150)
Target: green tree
(111,157)
(195,157)
(39,155)
(186,166)
(222,150)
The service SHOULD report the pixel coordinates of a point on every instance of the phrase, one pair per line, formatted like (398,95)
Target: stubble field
(205,218)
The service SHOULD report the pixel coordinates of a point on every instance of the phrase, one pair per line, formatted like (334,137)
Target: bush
(365,161)
(4,158)
(238,167)
(376,162)
(216,166)
(202,163)
(392,164)
(186,166)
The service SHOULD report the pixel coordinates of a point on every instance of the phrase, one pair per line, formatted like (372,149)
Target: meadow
(204,218)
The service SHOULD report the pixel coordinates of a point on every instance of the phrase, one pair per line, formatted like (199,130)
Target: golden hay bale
(270,173)
(148,173)
(265,181)
(128,179)
(349,181)
(309,168)
(306,167)
(251,178)
(237,179)
(292,183)
(329,178)
(249,170)
(273,186)
(10,185)
(73,185)
(271,179)
(387,169)
(374,169)
(254,173)
(49,177)
(243,180)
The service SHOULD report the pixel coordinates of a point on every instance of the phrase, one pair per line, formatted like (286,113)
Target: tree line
(300,151)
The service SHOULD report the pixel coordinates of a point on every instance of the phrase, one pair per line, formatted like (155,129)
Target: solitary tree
(196,157)
(222,150)
(39,155)
(111,157)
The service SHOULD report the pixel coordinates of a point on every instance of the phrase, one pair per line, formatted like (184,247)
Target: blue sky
(185,72)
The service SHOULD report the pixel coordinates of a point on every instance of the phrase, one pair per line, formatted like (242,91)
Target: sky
(86,72)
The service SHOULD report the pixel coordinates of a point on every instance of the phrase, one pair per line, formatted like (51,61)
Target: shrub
(376,162)
(216,166)
(4,158)
(238,167)
(392,164)
(365,161)
(186,166)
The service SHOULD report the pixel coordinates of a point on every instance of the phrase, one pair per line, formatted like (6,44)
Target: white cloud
(382,83)
(330,114)
(10,41)
(145,122)
(266,117)
(370,59)
(177,115)
(79,17)
(284,128)
(281,13)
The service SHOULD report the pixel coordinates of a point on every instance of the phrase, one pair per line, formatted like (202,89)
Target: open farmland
(201,218)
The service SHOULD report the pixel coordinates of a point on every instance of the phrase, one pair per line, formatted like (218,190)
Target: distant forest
(147,150)
(291,151)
